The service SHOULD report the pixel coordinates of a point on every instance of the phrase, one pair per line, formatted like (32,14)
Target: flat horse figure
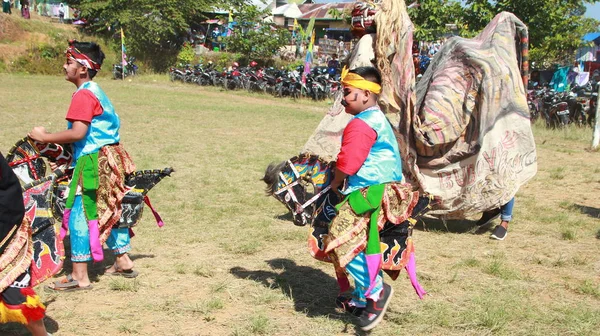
(45,197)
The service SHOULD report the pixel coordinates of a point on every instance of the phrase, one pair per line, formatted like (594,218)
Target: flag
(230,24)
(123,50)
(309,58)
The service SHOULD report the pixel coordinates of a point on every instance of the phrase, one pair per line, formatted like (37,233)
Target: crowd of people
(42,8)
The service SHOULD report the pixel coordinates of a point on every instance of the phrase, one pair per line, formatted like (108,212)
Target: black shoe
(488,216)
(499,233)
(373,313)
(343,303)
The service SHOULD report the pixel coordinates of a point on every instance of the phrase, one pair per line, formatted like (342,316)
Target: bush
(186,54)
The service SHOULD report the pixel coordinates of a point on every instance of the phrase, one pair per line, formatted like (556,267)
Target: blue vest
(383,164)
(103,130)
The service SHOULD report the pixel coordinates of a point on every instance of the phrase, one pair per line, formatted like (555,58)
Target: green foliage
(154,29)
(556,27)
(186,54)
(431,17)
(253,37)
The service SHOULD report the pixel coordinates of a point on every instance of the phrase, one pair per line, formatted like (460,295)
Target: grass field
(229,261)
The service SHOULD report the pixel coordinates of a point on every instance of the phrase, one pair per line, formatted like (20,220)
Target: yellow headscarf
(357,81)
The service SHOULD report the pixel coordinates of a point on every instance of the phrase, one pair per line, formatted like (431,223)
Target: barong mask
(363,17)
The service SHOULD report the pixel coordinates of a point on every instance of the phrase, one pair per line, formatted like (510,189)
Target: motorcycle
(532,103)
(556,110)
(130,69)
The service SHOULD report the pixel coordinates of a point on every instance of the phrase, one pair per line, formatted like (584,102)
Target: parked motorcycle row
(559,109)
(319,83)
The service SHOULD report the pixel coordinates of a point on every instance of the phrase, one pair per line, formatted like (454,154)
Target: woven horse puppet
(302,184)
(44,197)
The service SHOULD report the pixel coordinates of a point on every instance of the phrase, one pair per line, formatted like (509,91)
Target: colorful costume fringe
(101,177)
(18,301)
(349,233)
(21,305)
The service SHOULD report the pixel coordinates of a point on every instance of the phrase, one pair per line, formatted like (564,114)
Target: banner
(123,50)
(230,24)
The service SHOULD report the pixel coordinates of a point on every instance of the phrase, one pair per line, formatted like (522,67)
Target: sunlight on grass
(557,173)
(568,234)
(498,269)
(588,287)
(125,285)
(259,325)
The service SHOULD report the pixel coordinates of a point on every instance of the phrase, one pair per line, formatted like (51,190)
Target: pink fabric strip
(373,266)
(65,223)
(95,245)
(411,269)
(159,220)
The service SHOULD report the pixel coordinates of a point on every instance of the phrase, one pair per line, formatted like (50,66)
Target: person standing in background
(61,13)
(25,9)
(6,7)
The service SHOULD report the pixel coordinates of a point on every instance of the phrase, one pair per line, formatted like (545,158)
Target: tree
(252,35)
(335,13)
(431,16)
(155,30)
(556,27)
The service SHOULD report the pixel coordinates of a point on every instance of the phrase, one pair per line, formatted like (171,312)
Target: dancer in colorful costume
(100,163)
(18,302)
(464,130)
(369,158)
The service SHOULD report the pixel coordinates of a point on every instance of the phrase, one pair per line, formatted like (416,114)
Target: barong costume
(97,189)
(18,301)
(464,129)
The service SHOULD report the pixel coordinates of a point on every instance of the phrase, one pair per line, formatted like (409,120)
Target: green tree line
(156,29)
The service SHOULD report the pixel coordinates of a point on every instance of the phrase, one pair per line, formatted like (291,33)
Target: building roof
(289,11)
(592,37)
(321,11)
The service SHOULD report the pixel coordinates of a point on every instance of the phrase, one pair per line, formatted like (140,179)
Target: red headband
(81,58)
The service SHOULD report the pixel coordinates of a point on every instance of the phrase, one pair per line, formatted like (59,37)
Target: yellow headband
(355,80)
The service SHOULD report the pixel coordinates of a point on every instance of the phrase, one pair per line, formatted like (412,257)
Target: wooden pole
(596,134)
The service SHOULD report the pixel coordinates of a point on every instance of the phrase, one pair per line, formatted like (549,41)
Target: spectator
(25,9)
(61,13)
(6,7)
(333,65)
(341,45)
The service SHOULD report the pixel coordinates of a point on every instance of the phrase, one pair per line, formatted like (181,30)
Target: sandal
(67,284)
(130,273)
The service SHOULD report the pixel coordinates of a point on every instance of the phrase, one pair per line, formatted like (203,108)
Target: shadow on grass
(95,270)
(286,217)
(312,290)
(452,225)
(592,212)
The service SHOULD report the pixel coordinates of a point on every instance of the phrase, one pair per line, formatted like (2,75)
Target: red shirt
(357,140)
(84,106)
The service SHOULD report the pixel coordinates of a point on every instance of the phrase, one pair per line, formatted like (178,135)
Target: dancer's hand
(38,133)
